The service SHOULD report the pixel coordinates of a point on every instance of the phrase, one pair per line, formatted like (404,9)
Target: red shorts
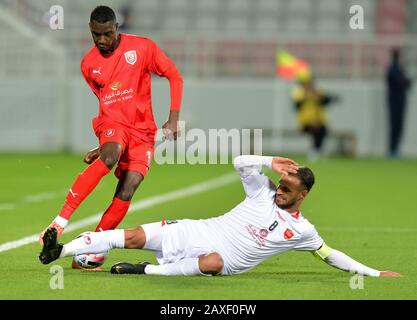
(137,152)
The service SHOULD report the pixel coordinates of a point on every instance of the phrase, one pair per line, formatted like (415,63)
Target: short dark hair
(103,14)
(395,54)
(306,177)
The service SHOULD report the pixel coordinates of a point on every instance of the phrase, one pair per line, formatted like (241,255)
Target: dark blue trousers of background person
(396,114)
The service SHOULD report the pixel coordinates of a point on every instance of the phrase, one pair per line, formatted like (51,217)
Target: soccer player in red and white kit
(118,70)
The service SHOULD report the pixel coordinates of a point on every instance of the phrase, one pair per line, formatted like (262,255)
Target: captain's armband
(323,252)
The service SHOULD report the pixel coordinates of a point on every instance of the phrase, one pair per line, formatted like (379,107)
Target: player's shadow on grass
(282,277)
(295,276)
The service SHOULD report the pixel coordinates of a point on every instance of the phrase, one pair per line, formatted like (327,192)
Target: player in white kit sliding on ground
(268,222)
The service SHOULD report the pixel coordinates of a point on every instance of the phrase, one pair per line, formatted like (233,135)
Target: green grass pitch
(364,208)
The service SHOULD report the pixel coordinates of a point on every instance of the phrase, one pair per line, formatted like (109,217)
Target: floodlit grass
(361,207)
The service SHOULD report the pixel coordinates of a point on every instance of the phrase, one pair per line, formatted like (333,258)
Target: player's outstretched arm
(339,260)
(389,274)
(248,165)
(254,182)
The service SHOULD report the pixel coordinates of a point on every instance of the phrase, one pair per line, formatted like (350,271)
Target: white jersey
(253,231)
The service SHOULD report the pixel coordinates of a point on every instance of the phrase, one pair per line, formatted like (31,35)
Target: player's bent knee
(128,188)
(211,263)
(135,238)
(110,153)
(109,160)
(136,180)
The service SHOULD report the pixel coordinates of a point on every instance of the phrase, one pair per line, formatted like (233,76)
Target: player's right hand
(389,274)
(284,166)
(91,155)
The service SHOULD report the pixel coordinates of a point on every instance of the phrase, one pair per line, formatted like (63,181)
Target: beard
(285,205)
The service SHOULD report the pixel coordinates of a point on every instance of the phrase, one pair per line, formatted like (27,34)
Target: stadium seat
(177,5)
(300,24)
(238,6)
(236,23)
(328,25)
(207,6)
(267,24)
(147,22)
(268,6)
(175,22)
(300,7)
(207,22)
(332,7)
(147,5)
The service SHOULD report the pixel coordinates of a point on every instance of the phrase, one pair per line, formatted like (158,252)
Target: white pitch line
(7,206)
(137,206)
(32,198)
(41,197)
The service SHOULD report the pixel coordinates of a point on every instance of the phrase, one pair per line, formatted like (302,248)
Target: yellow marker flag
(290,67)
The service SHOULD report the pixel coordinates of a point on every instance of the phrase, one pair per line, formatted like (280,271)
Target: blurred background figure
(125,15)
(398,85)
(310,104)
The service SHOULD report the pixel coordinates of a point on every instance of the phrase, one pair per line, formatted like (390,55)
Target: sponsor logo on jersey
(260,241)
(131,57)
(74,194)
(110,132)
(97,71)
(263,233)
(288,234)
(115,85)
(167,222)
(87,240)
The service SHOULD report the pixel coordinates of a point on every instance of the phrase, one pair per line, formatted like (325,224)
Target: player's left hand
(91,156)
(389,274)
(284,166)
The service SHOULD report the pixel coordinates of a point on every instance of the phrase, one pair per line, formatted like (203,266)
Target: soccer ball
(90,260)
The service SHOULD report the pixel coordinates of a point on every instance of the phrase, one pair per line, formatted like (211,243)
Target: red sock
(82,187)
(113,215)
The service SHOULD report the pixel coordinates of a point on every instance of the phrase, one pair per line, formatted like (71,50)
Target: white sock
(185,267)
(61,221)
(94,242)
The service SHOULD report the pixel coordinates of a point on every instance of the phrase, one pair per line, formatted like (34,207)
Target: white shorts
(173,242)
(153,235)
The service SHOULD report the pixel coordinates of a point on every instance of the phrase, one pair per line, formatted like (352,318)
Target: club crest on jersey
(110,132)
(263,233)
(131,57)
(87,240)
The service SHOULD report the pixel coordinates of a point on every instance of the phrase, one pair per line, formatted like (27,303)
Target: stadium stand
(212,40)
(243,23)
